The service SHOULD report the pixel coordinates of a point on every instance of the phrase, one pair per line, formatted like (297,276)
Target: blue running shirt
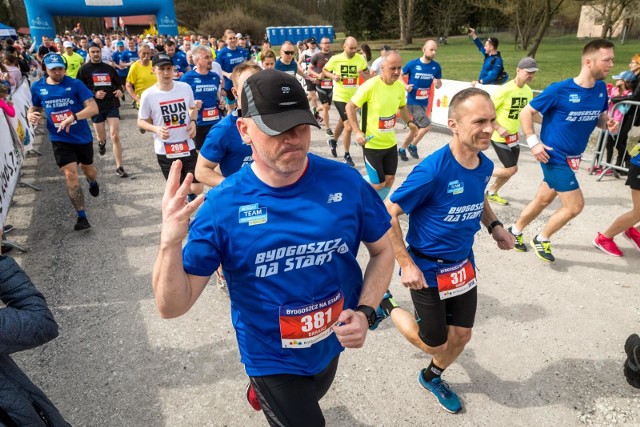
(60,101)
(286,248)
(205,88)
(570,112)
(444,202)
(228,60)
(421,76)
(223,145)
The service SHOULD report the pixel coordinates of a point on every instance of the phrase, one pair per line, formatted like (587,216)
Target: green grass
(558,57)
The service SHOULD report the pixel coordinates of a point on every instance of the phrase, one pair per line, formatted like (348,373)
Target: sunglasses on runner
(288,52)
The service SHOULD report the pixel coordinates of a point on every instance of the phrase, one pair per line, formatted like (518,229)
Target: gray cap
(528,64)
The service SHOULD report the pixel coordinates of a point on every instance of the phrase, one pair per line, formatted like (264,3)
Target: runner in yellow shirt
(509,100)
(73,59)
(379,99)
(141,74)
(345,69)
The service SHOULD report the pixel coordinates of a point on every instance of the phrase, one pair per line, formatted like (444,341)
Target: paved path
(547,348)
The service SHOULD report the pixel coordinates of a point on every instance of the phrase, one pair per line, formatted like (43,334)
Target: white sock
(542,238)
(515,231)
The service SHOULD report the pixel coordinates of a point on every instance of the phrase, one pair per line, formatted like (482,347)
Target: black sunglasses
(288,52)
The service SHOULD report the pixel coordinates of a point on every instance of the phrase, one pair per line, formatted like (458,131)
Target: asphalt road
(547,347)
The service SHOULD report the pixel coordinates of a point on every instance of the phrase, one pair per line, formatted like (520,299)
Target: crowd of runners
(234,118)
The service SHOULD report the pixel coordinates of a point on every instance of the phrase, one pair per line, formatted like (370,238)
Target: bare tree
(406,13)
(611,11)
(530,17)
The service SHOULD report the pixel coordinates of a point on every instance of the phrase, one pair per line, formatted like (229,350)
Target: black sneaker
(632,364)
(333,144)
(348,160)
(8,228)
(121,173)
(329,132)
(543,249)
(94,190)
(519,246)
(82,224)
(102,148)
(403,155)
(142,131)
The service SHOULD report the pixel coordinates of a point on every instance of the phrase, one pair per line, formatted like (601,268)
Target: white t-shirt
(376,67)
(171,109)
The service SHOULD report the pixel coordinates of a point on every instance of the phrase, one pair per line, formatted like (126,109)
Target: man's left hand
(192,129)
(351,329)
(505,239)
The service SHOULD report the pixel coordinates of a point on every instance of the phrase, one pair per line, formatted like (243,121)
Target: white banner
(442,98)
(21,102)
(11,155)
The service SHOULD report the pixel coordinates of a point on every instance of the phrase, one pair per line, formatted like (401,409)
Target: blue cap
(54,60)
(627,76)
(119,43)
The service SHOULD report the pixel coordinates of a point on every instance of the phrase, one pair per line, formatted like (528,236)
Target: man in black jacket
(25,322)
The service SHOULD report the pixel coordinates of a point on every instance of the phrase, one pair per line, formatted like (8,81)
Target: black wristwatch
(493,225)
(369,312)
(75,117)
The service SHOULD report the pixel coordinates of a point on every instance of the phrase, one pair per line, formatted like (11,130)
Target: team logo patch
(574,97)
(455,187)
(252,214)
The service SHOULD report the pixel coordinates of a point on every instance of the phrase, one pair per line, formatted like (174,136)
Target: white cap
(151,45)
(67,44)
(239,35)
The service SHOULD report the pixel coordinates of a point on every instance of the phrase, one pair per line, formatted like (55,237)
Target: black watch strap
(369,312)
(493,225)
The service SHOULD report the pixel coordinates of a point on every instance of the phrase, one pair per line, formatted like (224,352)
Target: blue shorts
(559,177)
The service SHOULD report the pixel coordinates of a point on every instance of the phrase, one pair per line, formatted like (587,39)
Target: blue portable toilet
(271,34)
(289,34)
(330,34)
(281,37)
(306,32)
(314,32)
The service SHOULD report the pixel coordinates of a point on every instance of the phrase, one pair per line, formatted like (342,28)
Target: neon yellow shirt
(349,72)
(74,62)
(382,103)
(141,77)
(509,100)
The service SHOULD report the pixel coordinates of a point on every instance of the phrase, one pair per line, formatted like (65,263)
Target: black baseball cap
(311,40)
(276,102)
(160,59)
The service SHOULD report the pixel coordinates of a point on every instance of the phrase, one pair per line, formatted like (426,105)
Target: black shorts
(66,153)
(435,315)
(292,400)
(633,178)
(188,165)
(310,85)
(324,95)
(230,96)
(508,155)
(201,135)
(380,163)
(342,110)
(102,116)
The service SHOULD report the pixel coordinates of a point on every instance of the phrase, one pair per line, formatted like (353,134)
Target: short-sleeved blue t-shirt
(286,248)
(228,60)
(180,64)
(444,201)
(205,88)
(421,76)
(571,112)
(223,145)
(116,57)
(59,101)
(291,68)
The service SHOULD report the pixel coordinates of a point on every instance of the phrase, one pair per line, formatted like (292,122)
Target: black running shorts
(435,315)
(188,165)
(292,400)
(201,135)
(380,163)
(66,153)
(342,110)
(633,178)
(508,155)
(324,95)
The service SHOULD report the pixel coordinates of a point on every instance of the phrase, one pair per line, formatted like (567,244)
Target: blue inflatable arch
(40,13)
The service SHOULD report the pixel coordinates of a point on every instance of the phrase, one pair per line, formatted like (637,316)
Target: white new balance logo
(335,198)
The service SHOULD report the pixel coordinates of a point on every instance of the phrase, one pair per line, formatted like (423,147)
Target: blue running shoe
(440,389)
(380,313)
